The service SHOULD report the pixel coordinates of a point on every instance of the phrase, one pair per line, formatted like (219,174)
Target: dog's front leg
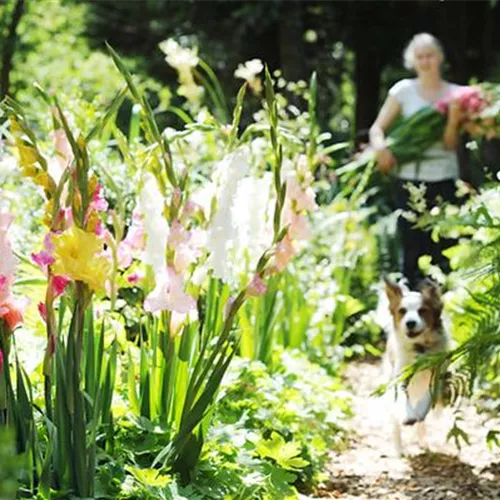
(396,436)
(422,435)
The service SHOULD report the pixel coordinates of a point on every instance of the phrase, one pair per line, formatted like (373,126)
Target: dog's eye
(422,311)
(402,311)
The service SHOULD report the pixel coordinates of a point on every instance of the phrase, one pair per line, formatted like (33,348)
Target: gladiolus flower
(284,253)
(98,203)
(134,278)
(59,284)
(304,198)
(177,235)
(43,259)
(79,256)
(7,259)
(256,287)
(11,314)
(42,309)
(169,294)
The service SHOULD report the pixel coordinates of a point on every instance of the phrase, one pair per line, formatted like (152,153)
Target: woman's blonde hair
(419,40)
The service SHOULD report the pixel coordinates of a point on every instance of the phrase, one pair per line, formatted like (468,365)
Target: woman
(438,170)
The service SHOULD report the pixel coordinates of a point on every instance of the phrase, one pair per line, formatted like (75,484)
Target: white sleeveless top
(442,163)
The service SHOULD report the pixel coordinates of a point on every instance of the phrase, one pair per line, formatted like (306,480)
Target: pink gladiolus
(64,219)
(305,199)
(43,259)
(58,285)
(125,255)
(7,260)
(63,149)
(134,278)
(5,221)
(133,242)
(98,203)
(169,294)
(190,207)
(284,253)
(184,255)
(42,309)
(99,228)
(5,284)
(135,235)
(11,313)
(442,106)
(47,243)
(177,236)
(299,225)
(256,287)
(469,99)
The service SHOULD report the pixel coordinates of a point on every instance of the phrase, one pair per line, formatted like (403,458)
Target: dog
(414,328)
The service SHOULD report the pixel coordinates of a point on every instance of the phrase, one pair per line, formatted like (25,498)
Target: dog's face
(414,313)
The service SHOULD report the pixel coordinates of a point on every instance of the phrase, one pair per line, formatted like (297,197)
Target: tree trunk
(291,32)
(367,79)
(9,47)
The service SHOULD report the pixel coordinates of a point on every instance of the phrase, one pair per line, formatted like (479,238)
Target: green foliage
(10,465)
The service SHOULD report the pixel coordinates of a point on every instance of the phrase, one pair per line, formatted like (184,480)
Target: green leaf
(492,439)
(149,477)
(458,435)
(284,453)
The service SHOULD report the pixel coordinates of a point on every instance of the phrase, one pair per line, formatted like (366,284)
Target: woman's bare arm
(388,113)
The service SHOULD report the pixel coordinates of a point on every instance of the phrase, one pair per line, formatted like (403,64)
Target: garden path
(369,469)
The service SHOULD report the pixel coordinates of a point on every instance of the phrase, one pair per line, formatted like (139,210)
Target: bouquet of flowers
(480,106)
(409,139)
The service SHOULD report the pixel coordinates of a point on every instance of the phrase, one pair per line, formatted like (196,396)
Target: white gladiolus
(252,212)
(155,225)
(249,70)
(222,230)
(204,196)
(183,60)
(180,58)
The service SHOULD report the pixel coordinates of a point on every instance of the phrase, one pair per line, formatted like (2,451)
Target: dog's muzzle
(411,333)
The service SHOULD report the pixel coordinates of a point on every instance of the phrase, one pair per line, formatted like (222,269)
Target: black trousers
(417,242)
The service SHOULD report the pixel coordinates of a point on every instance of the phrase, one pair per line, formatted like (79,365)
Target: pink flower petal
(43,259)
(169,294)
(256,287)
(42,309)
(59,284)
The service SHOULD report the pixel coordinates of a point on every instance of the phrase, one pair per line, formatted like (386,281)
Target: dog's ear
(431,292)
(393,291)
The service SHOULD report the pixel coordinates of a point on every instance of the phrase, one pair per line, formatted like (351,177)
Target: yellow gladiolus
(43,179)
(29,171)
(27,155)
(78,255)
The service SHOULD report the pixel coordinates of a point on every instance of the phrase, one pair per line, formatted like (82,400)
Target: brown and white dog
(416,329)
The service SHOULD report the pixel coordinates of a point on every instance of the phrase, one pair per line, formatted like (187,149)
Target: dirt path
(369,469)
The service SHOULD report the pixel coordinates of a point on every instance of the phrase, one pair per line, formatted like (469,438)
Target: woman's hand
(455,114)
(385,160)
(455,117)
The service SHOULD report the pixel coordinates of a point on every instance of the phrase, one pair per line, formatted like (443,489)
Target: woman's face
(427,60)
